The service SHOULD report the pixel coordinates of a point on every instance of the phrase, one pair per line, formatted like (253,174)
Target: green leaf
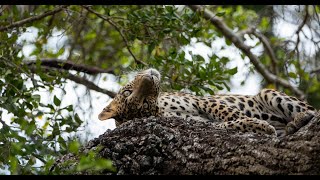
(221,13)
(74,147)
(56,101)
(151,47)
(242,55)
(29,105)
(77,119)
(61,51)
(14,163)
(30,129)
(228,42)
(102,164)
(232,71)
(90,36)
(264,23)
(62,142)
(70,108)
(292,75)
(36,97)
(166,30)
(184,40)
(94,163)
(218,87)
(226,85)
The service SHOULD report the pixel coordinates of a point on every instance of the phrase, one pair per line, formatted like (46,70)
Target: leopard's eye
(126,93)
(145,105)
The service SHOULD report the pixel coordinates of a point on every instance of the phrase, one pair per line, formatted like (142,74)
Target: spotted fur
(269,111)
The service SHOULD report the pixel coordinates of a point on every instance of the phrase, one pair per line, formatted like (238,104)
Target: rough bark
(174,146)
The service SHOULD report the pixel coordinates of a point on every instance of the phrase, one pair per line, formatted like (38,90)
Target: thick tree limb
(119,30)
(69,65)
(31,19)
(173,146)
(229,34)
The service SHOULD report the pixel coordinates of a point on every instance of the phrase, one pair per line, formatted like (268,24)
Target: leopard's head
(136,99)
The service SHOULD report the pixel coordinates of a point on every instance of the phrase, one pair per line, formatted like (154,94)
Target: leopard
(268,112)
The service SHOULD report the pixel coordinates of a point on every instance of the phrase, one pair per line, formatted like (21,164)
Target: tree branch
(68,65)
(266,45)
(79,80)
(173,146)
(89,84)
(316,70)
(304,20)
(229,34)
(245,31)
(268,48)
(31,19)
(119,30)
(299,30)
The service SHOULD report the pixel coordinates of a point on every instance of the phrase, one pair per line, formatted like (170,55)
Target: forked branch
(229,34)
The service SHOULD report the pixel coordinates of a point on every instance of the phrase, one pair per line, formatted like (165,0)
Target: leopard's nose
(155,73)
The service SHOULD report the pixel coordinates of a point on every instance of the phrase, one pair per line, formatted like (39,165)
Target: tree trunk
(175,146)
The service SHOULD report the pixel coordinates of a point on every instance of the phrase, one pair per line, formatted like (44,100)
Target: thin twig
(78,29)
(39,157)
(304,20)
(10,63)
(270,52)
(31,19)
(119,30)
(299,29)
(266,45)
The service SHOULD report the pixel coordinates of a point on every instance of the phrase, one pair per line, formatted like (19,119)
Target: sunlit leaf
(56,101)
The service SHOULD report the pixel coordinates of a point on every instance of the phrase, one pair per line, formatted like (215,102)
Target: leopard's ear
(108,112)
